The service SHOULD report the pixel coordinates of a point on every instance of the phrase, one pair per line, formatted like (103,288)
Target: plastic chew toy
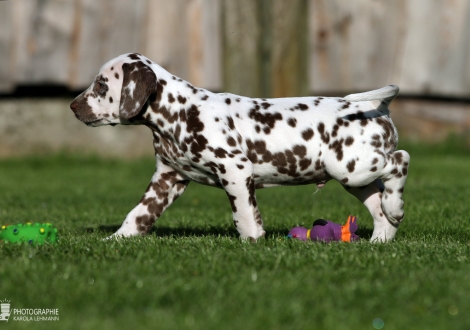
(327,231)
(29,233)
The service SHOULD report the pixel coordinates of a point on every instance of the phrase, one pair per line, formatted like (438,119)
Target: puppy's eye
(100,88)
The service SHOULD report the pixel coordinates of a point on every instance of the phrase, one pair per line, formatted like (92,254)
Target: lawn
(193,271)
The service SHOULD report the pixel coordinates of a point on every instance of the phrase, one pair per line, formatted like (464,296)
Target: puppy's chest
(183,158)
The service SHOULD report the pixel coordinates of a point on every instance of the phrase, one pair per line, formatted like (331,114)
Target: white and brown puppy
(240,144)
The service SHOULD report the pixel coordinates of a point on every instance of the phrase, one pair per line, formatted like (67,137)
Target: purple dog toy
(327,231)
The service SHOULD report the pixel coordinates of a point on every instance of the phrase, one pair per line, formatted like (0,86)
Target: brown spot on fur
(231,141)
(302,106)
(318,165)
(134,56)
(265,105)
(335,130)
(307,134)
(376,141)
(292,122)
(351,165)
(325,136)
(305,163)
(171,99)
(299,150)
(337,146)
(398,157)
(268,119)
(230,123)
(181,99)
(220,153)
(232,202)
(194,124)
(349,141)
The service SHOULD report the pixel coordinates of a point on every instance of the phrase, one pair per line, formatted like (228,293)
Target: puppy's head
(118,93)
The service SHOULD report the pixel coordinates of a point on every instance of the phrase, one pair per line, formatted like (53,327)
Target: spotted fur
(240,144)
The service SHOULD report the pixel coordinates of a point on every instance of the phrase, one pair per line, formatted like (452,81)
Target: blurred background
(50,50)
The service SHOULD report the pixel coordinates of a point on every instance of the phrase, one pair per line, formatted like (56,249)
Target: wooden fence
(253,47)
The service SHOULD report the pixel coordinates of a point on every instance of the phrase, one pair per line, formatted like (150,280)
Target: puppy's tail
(385,95)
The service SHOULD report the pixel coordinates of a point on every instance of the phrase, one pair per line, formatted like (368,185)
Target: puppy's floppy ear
(139,82)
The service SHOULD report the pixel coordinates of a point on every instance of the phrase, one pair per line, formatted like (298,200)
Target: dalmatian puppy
(241,144)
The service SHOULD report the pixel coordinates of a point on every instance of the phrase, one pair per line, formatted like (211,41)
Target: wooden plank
(436,49)
(167,38)
(289,76)
(421,45)
(241,59)
(87,52)
(204,43)
(265,47)
(183,36)
(364,44)
(123,21)
(44,41)
(103,30)
(355,44)
(22,13)
(6,47)
(211,45)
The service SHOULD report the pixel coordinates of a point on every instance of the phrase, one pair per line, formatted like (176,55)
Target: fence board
(6,43)
(435,53)
(421,45)
(356,45)
(43,41)
(241,35)
(103,30)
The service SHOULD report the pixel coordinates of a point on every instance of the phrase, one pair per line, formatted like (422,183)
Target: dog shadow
(364,233)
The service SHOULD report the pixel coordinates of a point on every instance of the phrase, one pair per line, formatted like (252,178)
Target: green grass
(193,271)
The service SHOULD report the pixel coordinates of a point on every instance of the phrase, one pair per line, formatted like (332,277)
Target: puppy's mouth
(99,122)
(94,123)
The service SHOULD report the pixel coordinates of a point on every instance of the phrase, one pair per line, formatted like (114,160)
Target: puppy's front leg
(166,186)
(240,188)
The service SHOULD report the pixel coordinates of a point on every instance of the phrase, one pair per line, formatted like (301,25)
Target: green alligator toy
(29,233)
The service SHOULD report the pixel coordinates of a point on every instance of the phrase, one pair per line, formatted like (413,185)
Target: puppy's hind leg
(394,177)
(371,196)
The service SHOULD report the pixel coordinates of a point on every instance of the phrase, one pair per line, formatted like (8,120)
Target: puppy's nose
(73,106)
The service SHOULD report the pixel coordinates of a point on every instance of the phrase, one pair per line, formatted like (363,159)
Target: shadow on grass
(211,231)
